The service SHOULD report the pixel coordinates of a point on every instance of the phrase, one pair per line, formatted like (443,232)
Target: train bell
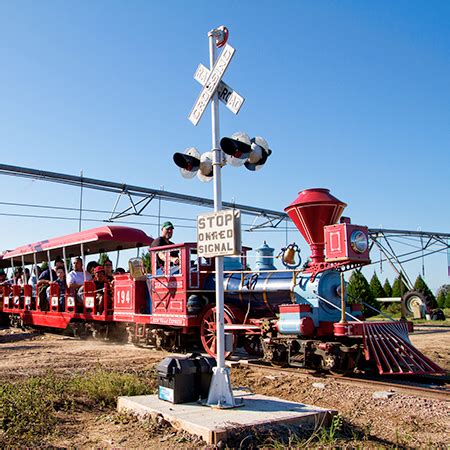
(287,255)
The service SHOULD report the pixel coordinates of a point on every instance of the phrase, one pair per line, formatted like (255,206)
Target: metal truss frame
(140,197)
(430,243)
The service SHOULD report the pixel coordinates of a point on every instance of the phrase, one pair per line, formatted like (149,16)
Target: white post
(65,261)
(35,287)
(25,281)
(82,263)
(220,392)
(50,266)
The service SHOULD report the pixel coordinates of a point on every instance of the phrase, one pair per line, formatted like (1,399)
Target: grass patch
(394,312)
(28,409)
(338,434)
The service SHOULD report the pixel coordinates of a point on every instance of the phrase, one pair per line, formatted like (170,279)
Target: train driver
(164,239)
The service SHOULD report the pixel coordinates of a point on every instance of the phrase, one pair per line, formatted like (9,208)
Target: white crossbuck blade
(211,84)
(227,95)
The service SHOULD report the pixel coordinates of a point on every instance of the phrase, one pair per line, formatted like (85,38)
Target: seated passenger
(164,239)
(17,276)
(100,281)
(3,277)
(108,270)
(90,267)
(34,278)
(45,275)
(61,281)
(76,277)
(25,277)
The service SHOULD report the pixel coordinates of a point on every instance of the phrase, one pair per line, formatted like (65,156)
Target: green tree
(441,298)
(442,294)
(103,257)
(447,300)
(421,286)
(358,290)
(387,288)
(399,287)
(376,288)
(146,259)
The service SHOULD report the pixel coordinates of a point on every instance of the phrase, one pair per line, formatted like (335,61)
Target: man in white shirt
(77,276)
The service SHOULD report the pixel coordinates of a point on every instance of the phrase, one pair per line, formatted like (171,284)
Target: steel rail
(398,386)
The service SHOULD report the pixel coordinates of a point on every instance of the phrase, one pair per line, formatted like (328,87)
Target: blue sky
(352,96)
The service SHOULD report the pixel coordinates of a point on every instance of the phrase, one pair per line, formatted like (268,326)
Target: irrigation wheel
(413,299)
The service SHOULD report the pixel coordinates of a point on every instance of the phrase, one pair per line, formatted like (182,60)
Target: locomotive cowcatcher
(292,316)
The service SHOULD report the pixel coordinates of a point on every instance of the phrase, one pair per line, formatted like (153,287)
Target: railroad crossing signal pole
(220,392)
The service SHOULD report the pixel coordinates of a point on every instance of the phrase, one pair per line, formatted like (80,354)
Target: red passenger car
(26,306)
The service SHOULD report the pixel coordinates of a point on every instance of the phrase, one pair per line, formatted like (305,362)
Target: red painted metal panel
(46,319)
(337,243)
(325,328)
(129,295)
(294,308)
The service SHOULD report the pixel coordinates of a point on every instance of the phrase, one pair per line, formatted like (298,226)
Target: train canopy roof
(96,240)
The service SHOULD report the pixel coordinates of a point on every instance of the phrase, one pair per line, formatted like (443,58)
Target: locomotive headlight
(358,241)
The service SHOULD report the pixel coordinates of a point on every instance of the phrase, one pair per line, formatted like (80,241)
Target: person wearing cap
(76,277)
(164,239)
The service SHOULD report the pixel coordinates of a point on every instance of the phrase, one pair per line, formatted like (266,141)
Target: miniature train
(292,316)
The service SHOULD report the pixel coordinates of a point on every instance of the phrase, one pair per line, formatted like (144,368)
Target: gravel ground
(402,420)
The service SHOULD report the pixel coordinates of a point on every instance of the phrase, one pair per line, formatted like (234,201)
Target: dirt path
(401,420)
(434,342)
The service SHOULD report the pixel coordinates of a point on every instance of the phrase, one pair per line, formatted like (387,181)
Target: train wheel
(253,346)
(346,364)
(208,330)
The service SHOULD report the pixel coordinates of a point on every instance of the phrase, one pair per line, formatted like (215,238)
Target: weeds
(28,409)
(103,387)
(327,436)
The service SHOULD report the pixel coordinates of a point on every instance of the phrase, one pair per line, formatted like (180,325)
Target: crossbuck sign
(211,81)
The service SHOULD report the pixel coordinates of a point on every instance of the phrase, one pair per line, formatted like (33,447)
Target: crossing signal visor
(241,150)
(191,163)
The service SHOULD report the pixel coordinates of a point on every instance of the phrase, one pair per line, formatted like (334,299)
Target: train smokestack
(311,211)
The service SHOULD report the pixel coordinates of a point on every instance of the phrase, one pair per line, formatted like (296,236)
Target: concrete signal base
(214,425)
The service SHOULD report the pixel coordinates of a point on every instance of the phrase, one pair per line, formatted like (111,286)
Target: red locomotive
(292,316)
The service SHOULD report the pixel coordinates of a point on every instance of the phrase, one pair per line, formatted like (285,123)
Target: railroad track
(441,392)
